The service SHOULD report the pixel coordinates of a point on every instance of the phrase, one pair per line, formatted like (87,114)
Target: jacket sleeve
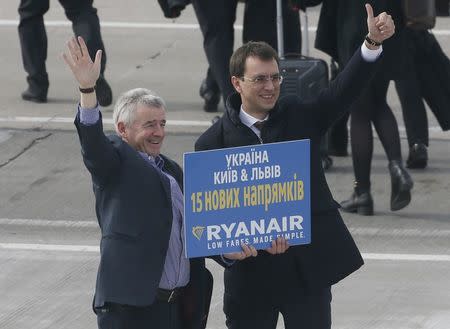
(99,155)
(348,86)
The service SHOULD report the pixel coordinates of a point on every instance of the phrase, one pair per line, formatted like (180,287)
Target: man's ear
(236,82)
(122,130)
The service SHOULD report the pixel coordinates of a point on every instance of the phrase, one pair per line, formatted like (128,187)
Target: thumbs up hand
(381,27)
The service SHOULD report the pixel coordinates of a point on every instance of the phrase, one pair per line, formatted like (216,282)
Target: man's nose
(269,84)
(159,130)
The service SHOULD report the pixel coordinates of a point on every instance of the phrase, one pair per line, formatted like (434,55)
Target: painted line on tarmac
(49,223)
(407,257)
(398,232)
(49,247)
(174,123)
(96,249)
(143,25)
(31,120)
(126,25)
(361,231)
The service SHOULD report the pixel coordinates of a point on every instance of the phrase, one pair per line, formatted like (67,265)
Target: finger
(98,58)
(382,16)
(75,46)
(282,246)
(81,43)
(269,250)
(382,25)
(71,51)
(68,61)
(386,30)
(83,47)
(277,245)
(74,50)
(254,251)
(383,19)
(246,251)
(369,11)
(273,248)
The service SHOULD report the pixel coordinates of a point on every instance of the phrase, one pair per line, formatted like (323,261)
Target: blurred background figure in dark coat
(33,42)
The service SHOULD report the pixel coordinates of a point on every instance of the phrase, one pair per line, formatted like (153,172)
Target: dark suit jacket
(134,211)
(332,255)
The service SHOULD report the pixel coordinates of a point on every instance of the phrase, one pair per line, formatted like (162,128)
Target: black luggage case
(302,76)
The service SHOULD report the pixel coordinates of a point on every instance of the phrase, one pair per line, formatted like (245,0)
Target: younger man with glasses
(295,281)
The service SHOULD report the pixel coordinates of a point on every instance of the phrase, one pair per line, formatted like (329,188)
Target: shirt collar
(158,160)
(248,119)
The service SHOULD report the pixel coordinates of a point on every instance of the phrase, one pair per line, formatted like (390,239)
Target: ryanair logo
(197,231)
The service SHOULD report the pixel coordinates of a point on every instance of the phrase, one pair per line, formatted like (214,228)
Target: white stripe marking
(48,247)
(399,232)
(407,257)
(121,25)
(48,223)
(142,25)
(180,123)
(361,231)
(184,123)
(89,249)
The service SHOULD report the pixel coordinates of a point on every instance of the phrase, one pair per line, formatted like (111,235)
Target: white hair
(126,105)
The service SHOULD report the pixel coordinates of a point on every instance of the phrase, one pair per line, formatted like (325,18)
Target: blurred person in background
(33,43)
(216,19)
(341,26)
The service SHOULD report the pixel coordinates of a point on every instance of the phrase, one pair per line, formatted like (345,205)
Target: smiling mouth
(267,96)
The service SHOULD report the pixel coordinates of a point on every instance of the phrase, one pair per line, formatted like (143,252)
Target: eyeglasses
(276,79)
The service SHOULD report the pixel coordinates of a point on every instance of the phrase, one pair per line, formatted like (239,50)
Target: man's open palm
(80,63)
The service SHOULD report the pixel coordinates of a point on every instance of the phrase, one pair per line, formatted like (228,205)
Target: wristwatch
(86,90)
(372,42)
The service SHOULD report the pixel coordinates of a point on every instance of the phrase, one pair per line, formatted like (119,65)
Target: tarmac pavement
(48,231)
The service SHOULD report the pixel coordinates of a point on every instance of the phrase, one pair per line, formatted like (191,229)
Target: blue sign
(246,195)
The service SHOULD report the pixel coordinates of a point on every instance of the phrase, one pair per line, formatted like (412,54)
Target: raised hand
(381,27)
(80,63)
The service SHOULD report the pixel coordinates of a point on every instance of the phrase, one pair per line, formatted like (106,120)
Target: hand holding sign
(279,246)
(247,251)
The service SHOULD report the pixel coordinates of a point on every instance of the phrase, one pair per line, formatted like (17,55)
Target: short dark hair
(259,49)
